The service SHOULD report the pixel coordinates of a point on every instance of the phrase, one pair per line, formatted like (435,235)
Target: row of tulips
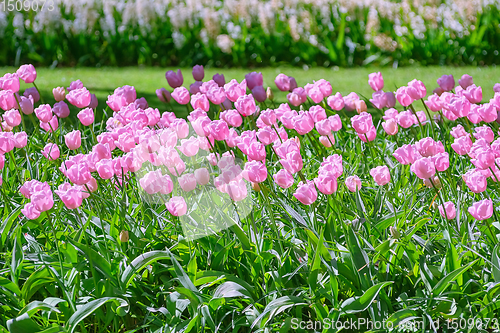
(220,111)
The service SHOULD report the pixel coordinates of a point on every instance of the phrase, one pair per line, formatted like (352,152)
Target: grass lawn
(102,81)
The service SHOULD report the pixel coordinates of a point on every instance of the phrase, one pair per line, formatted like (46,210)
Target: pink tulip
(353,183)
(317,113)
(27,73)
(267,135)
(86,116)
(326,183)
(150,182)
(448,212)
(303,123)
(324,86)
(51,126)
(488,112)
(71,196)
(283,178)
(102,151)
(381,175)
(20,139)
(202,176)
(174,79)
(12,117)
(362,123)
(254,79)
(235,90)
(390,127)
(473,93)
(219,129)
(460,106)
(59,94)
(315,94)
(232,117)
(26,104)
(376,81)
(441,161)
(7,142)
(282,82)
(219,79)
(484,132)
(163,95)
(33,92)
(458,131)
(268,117)
(324,127)
(416,89)
(336,102)
(10,81)
(30,211)
(181,95)
(476,181)
(446,82)
(335,122)
(255,171)
(379,99)
(44,113)
(403,96)
(370,136)
(405,119)
(292,162)
(216,95)
(197,101)
(105,168)
(423,167)
(43,200)
(79,174)
(405,154)
(293,83)
(51,151)
(481,210)
(61,109)
(79,97)
(246,105)
(73,139)
(176,206)
(256,151)
(306,193)
(298,96)
(75,85)
(428,147)
(327,140)
(434,103)
(465,81)
(484,159)
(462,145)
(391,99)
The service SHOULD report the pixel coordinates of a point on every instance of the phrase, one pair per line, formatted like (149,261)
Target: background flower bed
(253,33)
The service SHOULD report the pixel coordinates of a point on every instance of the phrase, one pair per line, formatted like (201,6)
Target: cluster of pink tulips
(232,119)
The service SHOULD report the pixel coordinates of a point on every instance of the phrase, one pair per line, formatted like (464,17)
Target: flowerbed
(248,215)
(247,33)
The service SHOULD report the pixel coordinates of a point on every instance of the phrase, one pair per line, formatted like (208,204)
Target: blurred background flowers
(251,33)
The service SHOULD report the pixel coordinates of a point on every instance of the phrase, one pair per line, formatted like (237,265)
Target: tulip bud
(394,232)
(256,187)
(361,106)
(124,236)
(270,94)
